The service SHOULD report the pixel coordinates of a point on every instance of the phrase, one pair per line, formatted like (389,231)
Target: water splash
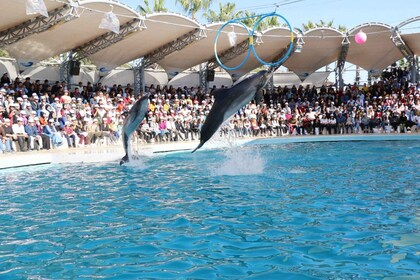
(136,159)
(240,160)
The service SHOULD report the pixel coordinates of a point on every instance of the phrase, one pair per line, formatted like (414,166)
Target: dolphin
(229,101)
(133,119)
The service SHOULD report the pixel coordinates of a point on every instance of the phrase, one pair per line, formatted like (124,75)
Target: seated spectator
(8,130)
(51,131)
(46,141)
(80,131)
(69,134)
(94,132)
(5,141)
(254,125)
(20,135)
(106,131)
(35,140)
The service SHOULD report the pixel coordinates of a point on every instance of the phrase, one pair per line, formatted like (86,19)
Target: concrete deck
(114,153)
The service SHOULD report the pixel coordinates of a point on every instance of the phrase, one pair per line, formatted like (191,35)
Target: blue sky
(349,13)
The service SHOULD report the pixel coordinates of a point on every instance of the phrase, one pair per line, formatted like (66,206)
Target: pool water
(335,210)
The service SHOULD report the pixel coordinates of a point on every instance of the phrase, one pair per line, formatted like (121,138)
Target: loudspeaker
(74,68)
(210,75)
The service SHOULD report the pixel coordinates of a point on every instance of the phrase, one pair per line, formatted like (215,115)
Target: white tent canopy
(192,43)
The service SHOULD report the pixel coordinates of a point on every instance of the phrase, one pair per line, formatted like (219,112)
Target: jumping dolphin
(133,119)
(229,101)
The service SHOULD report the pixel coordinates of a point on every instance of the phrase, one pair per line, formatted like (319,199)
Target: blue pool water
(342,210)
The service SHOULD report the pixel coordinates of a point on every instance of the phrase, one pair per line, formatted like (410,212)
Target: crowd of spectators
(42,115)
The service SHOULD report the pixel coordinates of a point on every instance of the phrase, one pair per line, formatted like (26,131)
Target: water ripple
(315,212)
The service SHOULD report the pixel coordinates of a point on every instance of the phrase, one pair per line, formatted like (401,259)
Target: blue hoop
(251,41)
(217,38)
(289,50)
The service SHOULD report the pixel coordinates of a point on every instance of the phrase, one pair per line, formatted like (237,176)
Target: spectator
(69,134)
(35,140)
(51,131)
(20,134)
(5,141)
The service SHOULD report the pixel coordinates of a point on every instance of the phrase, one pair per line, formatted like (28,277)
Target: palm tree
(342,28)
(250,19)
(158,6)
(192,7)
(4,53)
(226,13)
(271,22)
(310,25)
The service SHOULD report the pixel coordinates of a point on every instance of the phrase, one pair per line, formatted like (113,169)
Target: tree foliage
(158,6)
(226,12)
(192,7)
(4,53)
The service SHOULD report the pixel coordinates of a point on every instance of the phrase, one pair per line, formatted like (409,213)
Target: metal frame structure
(400,44)
(35,25)
(171,47)
(227,55)
(270,83)
(345,44)
(108,39)
(414,59)
(138,72)
(202,75)
(406,51)
(160,53)
(65,69)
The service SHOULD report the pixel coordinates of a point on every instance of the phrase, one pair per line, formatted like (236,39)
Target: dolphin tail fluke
(198,147)
(124,159)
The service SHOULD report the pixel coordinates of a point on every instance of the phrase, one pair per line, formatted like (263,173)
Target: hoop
(217,38)
(289,50)
(251,41)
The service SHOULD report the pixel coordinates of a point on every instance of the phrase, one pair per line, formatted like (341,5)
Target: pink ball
(360,37)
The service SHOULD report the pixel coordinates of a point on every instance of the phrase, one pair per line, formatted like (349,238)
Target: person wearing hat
(69,133)
(20,135)
(39,124)
(51,131)
(94,131)
(35,140)
(34,101)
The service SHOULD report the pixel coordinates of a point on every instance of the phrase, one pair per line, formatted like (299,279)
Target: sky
(348,13)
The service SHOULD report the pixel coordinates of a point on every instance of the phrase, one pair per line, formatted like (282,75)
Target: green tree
(158,6)
(192,7)
(308,26)
(342,28)
(311,25)
(226,12)
(271,22)
(250,19)
(4,53)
